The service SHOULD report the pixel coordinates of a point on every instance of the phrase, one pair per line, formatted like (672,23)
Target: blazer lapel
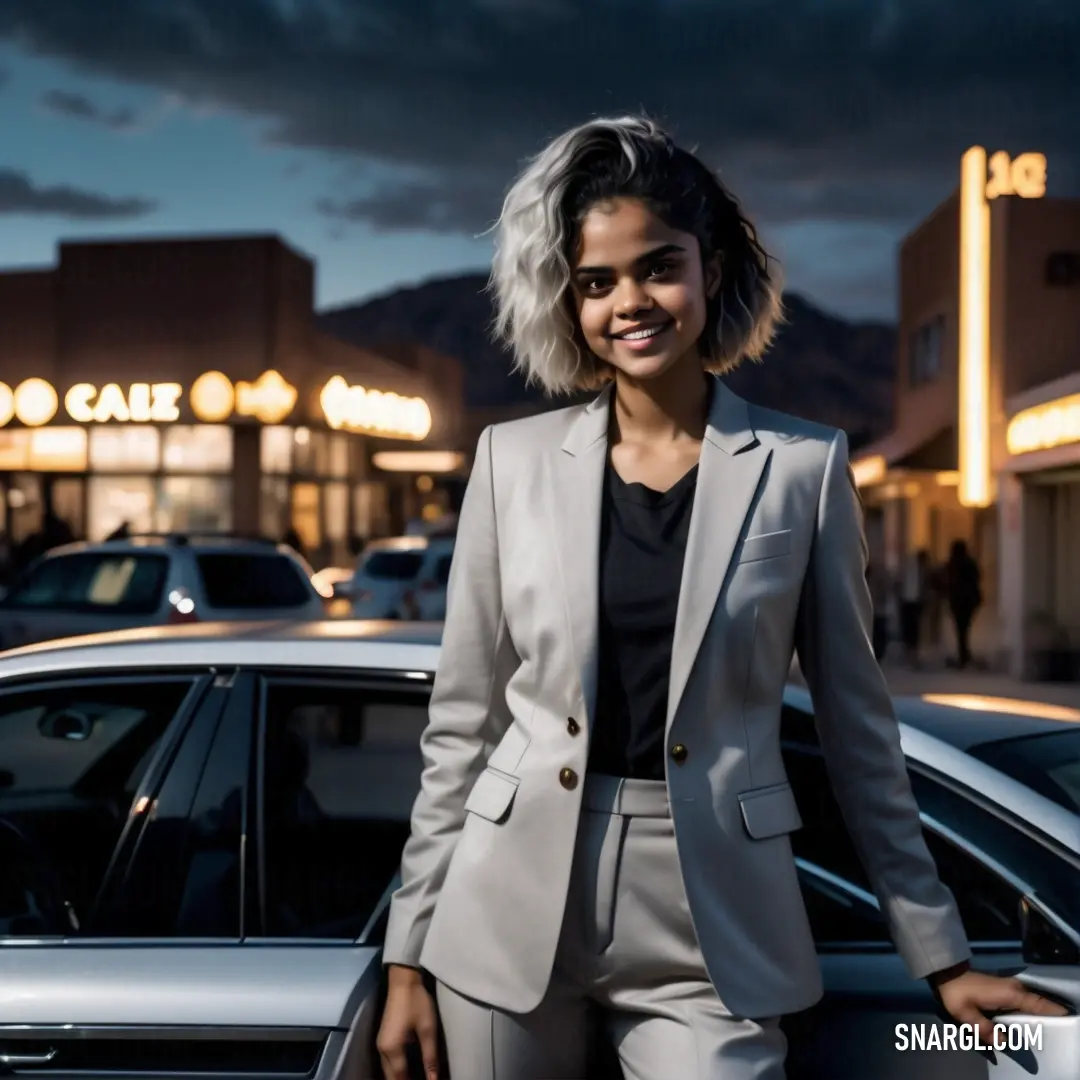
(729,471)
(576,497)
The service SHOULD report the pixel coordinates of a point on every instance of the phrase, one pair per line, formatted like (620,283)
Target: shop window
(14,450)
(275,450)
(195,504)
(370,510)
(339,456)
(119,500)
(311,452)
(274,506)
(198,448)
(125,449)
(305,515)
(337,511)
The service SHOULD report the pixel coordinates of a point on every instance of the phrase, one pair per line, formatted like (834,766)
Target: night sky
(378,136)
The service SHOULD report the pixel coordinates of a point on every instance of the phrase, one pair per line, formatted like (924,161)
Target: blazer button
(568,779)
(678,753)
(572,725)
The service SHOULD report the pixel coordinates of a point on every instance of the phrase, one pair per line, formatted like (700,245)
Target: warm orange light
(869,470)
(212,397)
(426,461)
(1040,710)
(377,412)
(35,402)
(269,399)
(973,420)
(142,403)
(1024,175)
(1042,427)
(947,478)
(7,404)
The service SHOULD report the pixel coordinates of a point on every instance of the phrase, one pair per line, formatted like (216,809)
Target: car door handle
(27,1059)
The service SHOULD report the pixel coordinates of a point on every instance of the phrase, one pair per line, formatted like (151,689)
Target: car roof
(349,644)
(408,543)
(172,542)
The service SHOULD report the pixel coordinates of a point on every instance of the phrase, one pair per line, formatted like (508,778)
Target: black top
(642,543)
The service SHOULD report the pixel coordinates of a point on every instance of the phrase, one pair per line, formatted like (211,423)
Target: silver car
(154,579)
(402,577)
(200,830)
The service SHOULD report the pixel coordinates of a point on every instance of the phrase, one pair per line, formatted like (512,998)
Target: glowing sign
(1043,427)
(269,399)
(355,408)
(212,397)
(33,403)
(141,403)
(1024,175)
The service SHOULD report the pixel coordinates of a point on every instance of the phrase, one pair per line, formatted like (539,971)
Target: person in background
(913,591)
(963,591)
(877,580)
(292,538)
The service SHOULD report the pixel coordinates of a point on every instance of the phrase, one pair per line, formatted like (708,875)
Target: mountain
(821,367)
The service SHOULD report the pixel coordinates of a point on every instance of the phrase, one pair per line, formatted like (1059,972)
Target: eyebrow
(649,256)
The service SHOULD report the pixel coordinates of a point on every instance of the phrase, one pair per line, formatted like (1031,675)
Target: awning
(906,451)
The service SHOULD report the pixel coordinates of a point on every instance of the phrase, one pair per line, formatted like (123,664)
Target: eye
(660,268)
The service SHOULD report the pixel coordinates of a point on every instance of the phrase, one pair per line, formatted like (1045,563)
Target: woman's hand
(969,995)
(409,1016)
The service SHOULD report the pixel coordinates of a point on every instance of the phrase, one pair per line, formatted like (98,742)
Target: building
(180,384)
(986,441)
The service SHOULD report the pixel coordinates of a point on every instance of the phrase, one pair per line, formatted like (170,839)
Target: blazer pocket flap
(491,796)
(765,546)
(770,811)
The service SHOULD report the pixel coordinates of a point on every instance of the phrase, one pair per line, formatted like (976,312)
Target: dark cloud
(816,110)
(80,107)
(19,195)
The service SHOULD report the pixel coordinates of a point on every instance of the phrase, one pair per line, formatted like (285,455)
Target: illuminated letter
(77,402)
(1028,175)
(139,402)
(163,407)
(35,402)
(1000,181)
(7,404)
(111,405)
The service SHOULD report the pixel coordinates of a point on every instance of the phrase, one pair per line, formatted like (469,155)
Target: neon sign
(355,408)
(1045,426)
(981,182)
(141,403)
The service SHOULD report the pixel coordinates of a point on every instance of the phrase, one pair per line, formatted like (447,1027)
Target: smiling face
(640,290)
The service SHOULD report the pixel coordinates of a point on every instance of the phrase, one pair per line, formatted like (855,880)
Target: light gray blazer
(774,565)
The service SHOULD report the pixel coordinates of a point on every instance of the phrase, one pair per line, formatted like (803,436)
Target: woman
(604,813)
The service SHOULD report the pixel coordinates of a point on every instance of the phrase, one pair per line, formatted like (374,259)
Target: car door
(865,1023)
(169,971)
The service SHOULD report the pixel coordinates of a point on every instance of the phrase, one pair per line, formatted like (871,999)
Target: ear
(714,275)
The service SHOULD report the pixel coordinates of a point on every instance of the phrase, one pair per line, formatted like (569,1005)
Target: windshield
(1049,764)
(394,565)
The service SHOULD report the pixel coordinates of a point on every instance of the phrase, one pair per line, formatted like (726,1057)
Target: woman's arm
(467,714)
(859,735)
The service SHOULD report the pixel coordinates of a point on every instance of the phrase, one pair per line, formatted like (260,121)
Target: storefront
(182,383)
(1039,504)
(263,457)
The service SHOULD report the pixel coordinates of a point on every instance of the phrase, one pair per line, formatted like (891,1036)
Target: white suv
(156,579)
(403,577)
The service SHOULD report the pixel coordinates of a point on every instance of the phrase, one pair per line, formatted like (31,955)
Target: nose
(631,298)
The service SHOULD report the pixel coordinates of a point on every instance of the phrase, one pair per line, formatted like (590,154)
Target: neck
(670,408)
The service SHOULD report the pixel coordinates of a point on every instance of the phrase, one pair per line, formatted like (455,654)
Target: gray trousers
(628,954)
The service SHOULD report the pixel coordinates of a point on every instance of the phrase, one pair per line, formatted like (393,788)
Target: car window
(393,565)
(988,905)
(72,757)
(121,583)
(250,580)
(1048,764)
(341,769)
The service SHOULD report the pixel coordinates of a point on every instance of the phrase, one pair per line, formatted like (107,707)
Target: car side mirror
(68,724)
(1043,940)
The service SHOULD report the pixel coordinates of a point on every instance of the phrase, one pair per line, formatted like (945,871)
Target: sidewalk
(935,678)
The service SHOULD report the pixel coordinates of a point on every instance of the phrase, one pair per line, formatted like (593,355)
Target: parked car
(149,580)
(200,829)
(402,577)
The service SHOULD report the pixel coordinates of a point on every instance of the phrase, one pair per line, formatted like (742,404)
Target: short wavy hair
(539,227)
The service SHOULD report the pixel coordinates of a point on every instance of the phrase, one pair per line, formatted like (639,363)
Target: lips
(643,332)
